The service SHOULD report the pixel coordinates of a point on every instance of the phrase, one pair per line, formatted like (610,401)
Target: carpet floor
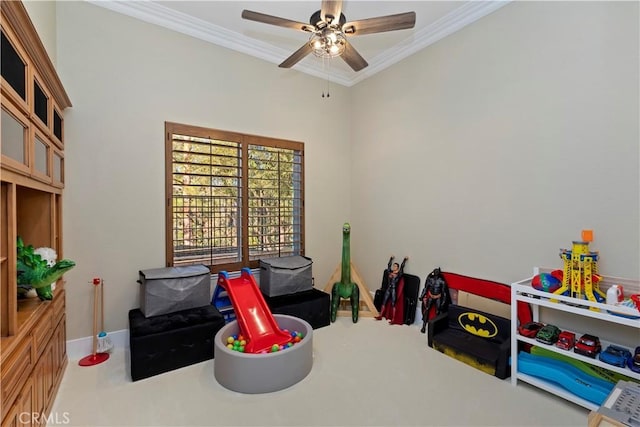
(364,374)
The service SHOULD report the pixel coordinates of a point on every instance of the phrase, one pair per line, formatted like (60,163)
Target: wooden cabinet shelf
(32,332)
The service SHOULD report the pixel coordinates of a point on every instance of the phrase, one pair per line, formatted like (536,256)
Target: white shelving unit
(523,291)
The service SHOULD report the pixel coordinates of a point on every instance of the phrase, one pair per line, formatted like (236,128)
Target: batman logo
(478,324)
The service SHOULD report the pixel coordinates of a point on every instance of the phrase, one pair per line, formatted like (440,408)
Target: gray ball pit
(263,373)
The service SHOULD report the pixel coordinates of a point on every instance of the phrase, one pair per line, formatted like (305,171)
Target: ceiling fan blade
(297,56)
(331,8)
(353,58)
(380,24)
(274,20)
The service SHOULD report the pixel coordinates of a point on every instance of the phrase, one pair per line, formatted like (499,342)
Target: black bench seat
(166,342)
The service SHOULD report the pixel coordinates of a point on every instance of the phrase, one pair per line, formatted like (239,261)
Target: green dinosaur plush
(35,272)
(345,288)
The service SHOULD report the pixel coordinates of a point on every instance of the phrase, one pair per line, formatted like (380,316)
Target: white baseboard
(81,347)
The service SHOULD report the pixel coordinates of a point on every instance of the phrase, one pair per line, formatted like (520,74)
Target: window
(232,199)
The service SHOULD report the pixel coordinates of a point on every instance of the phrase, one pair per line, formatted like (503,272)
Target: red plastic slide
(254,317)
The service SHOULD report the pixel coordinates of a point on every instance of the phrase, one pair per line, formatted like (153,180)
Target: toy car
(615,355)
(566,340)
(634,362)
(530,329)
(548,334)
(588,345)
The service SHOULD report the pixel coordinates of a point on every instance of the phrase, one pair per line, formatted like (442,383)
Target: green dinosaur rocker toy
(35,272)
(345,288)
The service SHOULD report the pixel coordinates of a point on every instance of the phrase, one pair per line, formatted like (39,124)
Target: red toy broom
(95,358)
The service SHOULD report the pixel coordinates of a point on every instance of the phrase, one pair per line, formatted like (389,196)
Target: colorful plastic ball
(243,342)
(546,282)
(230,346)
(558,274)
(230,340)
(275,348)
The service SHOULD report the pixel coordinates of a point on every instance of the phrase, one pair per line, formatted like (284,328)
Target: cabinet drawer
(41,333)
(15,370)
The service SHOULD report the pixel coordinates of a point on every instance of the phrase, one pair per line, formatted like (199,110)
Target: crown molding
(450,23)
(157,14)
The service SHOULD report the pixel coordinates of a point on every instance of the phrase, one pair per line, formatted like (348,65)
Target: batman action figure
(435,292)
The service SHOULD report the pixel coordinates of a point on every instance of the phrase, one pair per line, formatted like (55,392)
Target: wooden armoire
(33,343)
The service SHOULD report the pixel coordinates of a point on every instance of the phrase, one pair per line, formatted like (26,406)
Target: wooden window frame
(283,150)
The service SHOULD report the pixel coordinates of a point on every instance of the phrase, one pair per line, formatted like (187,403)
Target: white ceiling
(219,22)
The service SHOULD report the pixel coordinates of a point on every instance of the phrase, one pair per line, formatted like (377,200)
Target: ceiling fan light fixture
(329,29)
(327,43)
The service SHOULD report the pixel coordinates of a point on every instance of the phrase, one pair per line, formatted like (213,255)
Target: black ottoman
(312,306)
(170,341)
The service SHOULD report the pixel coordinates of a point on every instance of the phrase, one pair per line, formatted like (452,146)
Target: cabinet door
(60,354)
(41,104)
(15,69)
(38,394)
(58,168)
(22,413)
(42,332)
(49,373)
(58,127)
(15,370)
(15,137)
(41,156)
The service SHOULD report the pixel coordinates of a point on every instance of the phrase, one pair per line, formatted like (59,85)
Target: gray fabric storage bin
(166,290)
(285,275)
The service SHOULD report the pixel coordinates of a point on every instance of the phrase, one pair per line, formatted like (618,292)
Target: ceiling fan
(329,31)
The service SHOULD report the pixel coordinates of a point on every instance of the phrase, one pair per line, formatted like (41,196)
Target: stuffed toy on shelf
(38,269)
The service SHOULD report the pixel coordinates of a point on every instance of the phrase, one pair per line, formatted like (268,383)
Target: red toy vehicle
(530,329)
(566,340)
(588,345)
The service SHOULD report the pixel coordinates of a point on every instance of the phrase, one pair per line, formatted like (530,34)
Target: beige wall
(43,16)
(489,151)
(125,79)
(484,153)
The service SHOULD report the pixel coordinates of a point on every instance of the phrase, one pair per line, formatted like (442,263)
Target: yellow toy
(581,271)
